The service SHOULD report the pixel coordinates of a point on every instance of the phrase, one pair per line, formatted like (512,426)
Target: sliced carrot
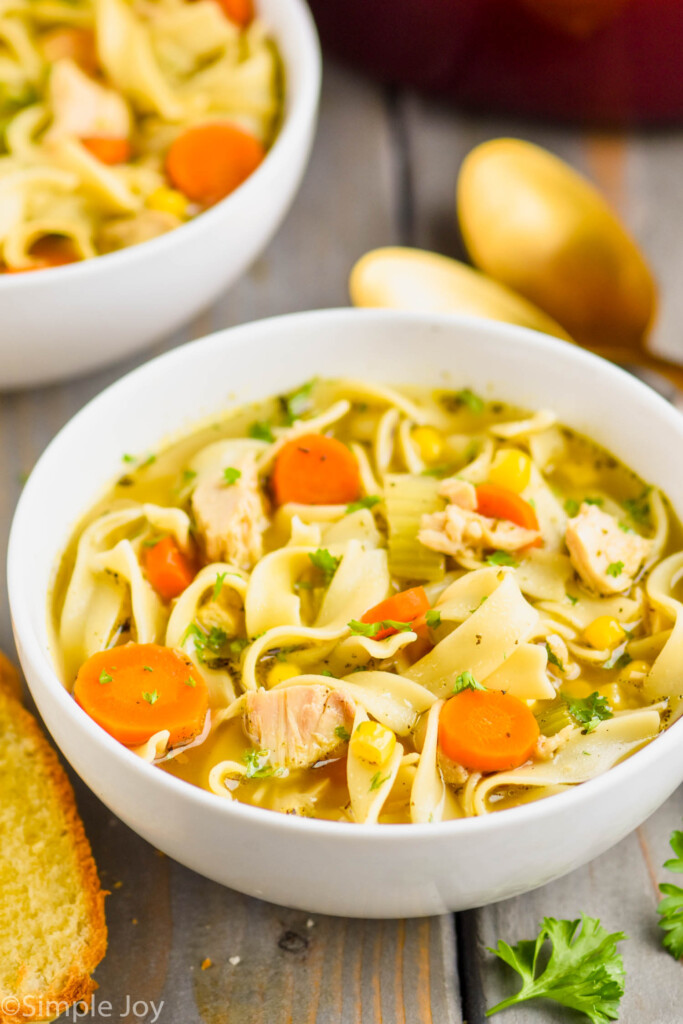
(239,11)
(210,161)
(50,251)
(404,607)
(313,469)
(487,730)
(108,149)
(137,690)
(498,502)
(167,568)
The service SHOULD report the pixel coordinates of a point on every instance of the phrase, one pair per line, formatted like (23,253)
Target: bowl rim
(301,113)
(41,663)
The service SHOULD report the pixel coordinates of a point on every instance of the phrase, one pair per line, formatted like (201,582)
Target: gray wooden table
(383,172)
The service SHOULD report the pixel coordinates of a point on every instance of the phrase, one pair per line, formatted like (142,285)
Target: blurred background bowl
(70,320)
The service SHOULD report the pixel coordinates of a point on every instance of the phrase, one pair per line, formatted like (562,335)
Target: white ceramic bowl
(329,867)
(71,320)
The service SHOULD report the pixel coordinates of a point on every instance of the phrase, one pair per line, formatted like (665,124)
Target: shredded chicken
(606,558)
(231,517)
(298,725)
(462,532)
(125,231)
(454,774)
(547,746)
(82,108)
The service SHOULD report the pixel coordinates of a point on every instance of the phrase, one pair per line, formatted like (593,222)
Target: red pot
(609,61)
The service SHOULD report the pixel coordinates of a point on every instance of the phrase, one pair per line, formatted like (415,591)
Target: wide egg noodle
(369,785)
(430,798)
(664,678)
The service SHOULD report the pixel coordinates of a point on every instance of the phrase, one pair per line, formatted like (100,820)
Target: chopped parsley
(618,660)
(501,558)
(147,668)
(369,501)
(205,643)
(584,970)
(341,733)
(188,475)
(152,697)
(473,402)
(615,569)
(128,458)
(376,781)
(553,658)
(588,712)
(231,475)
(190,682)
(571,507)
(639,508)
(105,677)
(433,618)
(670,908)
(297,403)
(257,766)
(466,681)
(570,597)
(371,629)
(594,501)
(261,431)
(218,585)
(326,563)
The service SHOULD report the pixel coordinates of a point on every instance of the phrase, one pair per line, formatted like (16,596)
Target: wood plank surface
(383,171)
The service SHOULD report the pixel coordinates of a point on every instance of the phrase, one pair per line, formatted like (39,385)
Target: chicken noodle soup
(376,605)
(122,119)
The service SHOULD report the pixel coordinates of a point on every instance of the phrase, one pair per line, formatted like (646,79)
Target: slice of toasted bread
(52,928)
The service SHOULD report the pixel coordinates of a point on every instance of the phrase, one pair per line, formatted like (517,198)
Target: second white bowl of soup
(345,641)
(150,154)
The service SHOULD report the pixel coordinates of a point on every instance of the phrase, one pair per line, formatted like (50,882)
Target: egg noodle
(92,95)
(275,618)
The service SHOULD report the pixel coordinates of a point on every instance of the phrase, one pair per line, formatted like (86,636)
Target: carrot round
(315,470)
(108,149)
(498,502)
(167,568)
(239,11)
(404,607)
(209,161)
(137,690)
(487,730)
(50,251)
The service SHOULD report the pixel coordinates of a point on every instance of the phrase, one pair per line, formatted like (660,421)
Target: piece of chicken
(606,558)
(82,108)
(231,517)
(462,532)
(298,725)
(454,774)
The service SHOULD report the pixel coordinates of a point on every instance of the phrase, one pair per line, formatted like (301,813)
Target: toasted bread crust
(78,985)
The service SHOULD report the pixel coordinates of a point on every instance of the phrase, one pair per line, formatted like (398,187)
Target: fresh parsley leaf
(128,458)
(231,475)
(204,642)
(433,618)
(638,508)
(257,766)
(341,733)
(261,431)
(297,403)
(594,501)
(216,638)
(501,558)
(670,908)
(218,585)
(615,569)
(553,658)
(190,682)
(147,668)
(571,507)
(325,562)
(105,677)
(369,501)
(152,697)
(585,971)
(466,681)
(473,402)
(570,597)
(377,780)
(589,711)
(326,672)
(371,629)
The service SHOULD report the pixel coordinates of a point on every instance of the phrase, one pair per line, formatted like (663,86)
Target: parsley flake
(553,658)
(261,431)
(342,734)
(584,971)
(105,677)
(297,403)
(326,563)
(257,766)
(376,781)
(190,682)
(501,558)
(152,697)
(571,507)
(638,508)
(147,668)
(473,402)
(589,711)
(218,585)
(615,569)
(433,618)
(466,681)
(231,475)
(369,501)
(371,629)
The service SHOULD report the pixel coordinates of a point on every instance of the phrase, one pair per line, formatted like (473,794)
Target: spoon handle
(632,357)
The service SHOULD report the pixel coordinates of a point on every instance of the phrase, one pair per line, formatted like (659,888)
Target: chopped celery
(407,499)
(554,717)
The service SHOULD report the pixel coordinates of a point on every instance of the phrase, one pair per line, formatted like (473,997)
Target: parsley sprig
(670,907)
(466,681)
(589,711)
(326,563)
(585,971)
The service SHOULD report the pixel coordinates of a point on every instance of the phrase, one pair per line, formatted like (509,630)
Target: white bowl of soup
(150,153)
(368,613)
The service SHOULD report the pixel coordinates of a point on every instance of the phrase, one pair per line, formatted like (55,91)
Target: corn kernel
(635,672)
(168,200)
(281,671)
(429,441)
(512,469)
(603,633)
(615,698)
(373,742)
